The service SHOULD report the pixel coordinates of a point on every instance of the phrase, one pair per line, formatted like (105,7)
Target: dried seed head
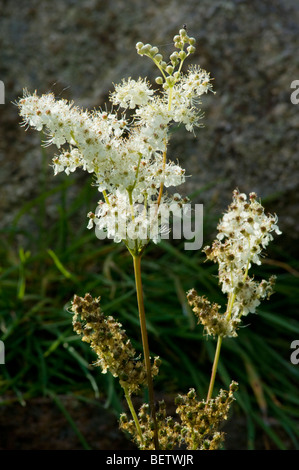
(110,342)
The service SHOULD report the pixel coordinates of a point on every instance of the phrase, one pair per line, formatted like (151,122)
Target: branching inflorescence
(243,233)
(127,155)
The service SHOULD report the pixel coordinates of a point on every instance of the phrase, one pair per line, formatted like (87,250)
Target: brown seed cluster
(201,420)
(208,314)
(110,342)
(169,430)
(196,428)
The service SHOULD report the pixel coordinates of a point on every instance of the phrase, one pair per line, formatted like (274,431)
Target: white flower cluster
(243,233)
(116,219)
(126,155)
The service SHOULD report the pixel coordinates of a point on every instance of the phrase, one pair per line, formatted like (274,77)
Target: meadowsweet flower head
(243,233)
(126,155)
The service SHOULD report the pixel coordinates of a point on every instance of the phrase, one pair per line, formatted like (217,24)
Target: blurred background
(50,395)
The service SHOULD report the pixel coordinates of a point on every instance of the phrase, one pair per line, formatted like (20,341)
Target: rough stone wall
(78,49)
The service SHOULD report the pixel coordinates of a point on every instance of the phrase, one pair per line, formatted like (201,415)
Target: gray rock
(78,49)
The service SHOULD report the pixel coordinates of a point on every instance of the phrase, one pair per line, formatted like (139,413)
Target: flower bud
(158,57)
(170,81)
(145,49)
(169,69)
(179,44)
(191,49)
(139,47)
(159,80)
(154,50)
(174,58)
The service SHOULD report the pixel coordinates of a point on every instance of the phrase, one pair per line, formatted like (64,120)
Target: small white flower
(130,93)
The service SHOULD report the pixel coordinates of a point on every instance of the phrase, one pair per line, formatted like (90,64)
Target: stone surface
(77,49)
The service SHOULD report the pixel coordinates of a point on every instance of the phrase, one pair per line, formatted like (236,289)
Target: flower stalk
(214,368)
(133,413)
(144,336)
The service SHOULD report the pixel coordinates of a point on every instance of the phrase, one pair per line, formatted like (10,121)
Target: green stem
(230,304)
(106,197)
(170,98)
(214,369)
(131,203)
(162,183)
(139,290)
(159,67)
(133,413)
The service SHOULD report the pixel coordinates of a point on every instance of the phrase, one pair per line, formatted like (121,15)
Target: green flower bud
(182,55)
(170,81)
(159,80)
(158,57)
(174,58)
(169,69)
(143,50)
(191,49)
(154,51)
(146,49)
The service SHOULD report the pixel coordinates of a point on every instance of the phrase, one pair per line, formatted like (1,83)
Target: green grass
(40,273)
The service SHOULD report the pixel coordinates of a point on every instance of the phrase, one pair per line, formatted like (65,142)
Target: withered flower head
(110,342)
